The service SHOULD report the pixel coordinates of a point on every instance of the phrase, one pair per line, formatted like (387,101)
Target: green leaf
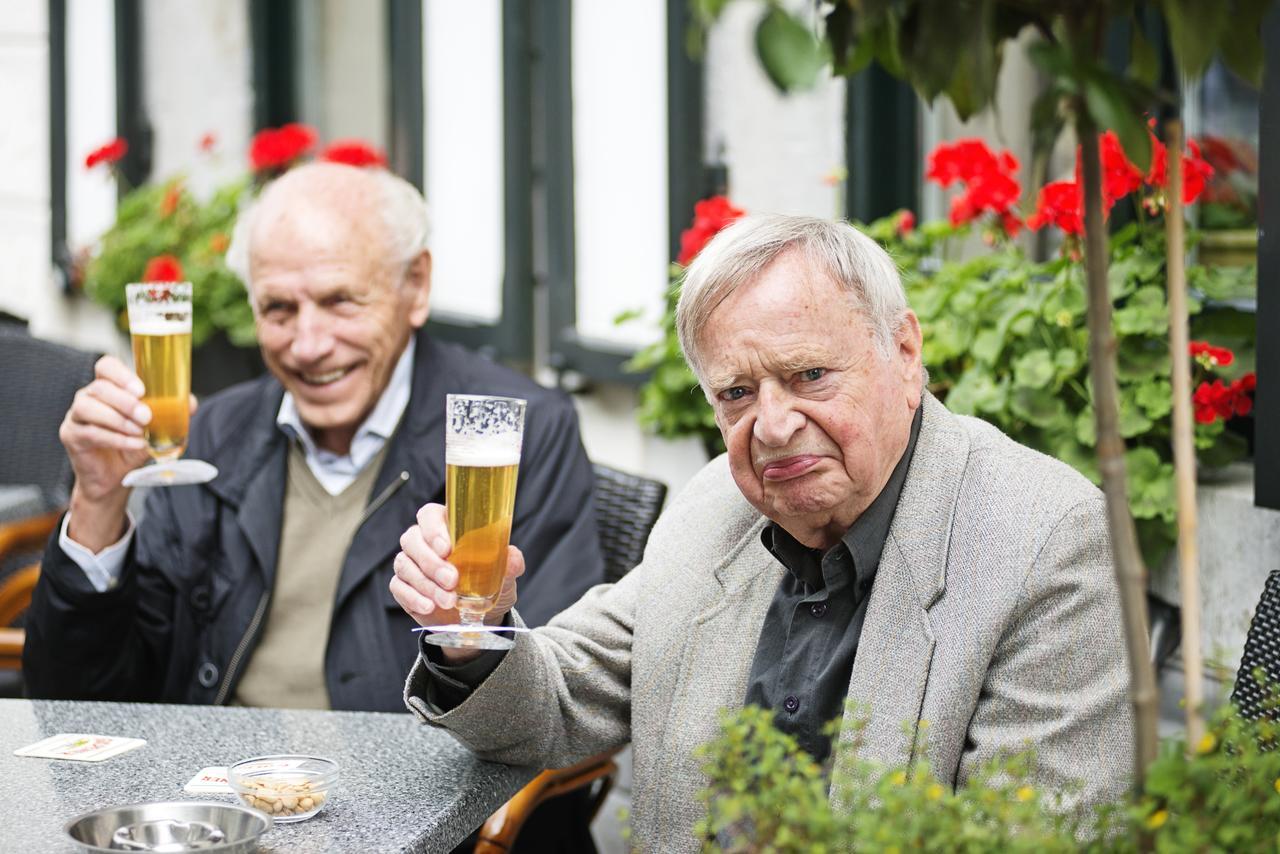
(1150,484)
(1195,29)
(975,393)
(1145,313)
(1144,64)
(791,55)
(933,38)
(1047,120)
(1133,421)
(987,346)
(1111,108)
(1242,40)
(1033,369)
(1066,361)
(1039,406)
(973,80)
(1155,398)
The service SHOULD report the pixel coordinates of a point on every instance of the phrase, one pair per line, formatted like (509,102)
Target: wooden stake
(1131,572)
(1184,450)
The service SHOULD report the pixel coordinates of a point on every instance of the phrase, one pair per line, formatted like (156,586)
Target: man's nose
(777,419)
(313,336)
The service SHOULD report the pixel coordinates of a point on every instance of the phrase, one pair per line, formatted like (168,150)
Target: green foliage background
(194,232)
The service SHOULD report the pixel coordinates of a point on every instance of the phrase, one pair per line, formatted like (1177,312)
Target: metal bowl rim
(266,820)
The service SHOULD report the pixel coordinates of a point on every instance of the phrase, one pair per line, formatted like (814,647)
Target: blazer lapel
(891,669)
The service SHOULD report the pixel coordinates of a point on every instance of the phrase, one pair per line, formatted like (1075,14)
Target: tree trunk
(1131,574)
(1184,450)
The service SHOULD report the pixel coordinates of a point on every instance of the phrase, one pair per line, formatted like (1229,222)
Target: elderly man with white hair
(858,542)
(268,585)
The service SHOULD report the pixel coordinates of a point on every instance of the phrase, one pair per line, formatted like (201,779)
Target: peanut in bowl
(286,787)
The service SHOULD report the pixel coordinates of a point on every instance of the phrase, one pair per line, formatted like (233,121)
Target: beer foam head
(160,308)
(482,451)
(159,325)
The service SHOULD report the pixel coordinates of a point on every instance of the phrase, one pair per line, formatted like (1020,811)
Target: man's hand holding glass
(426,583)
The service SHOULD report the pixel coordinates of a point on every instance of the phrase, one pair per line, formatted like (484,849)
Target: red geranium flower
(1119,176)
(1211,356)
(991,184)
(1196,171)
(274,148)
(1062,204)
(353,152)
(208,142)
(112,152)
(906,223)
(163,268)
(709,217)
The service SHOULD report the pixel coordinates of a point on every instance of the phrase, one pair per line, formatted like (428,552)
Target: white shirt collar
(336,472)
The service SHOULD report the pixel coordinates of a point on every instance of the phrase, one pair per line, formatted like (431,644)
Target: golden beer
(480,500)
(163,362)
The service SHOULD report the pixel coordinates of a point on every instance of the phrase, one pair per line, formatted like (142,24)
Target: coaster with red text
(79,747)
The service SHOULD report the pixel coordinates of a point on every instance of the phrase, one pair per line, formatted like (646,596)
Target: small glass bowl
(286,787)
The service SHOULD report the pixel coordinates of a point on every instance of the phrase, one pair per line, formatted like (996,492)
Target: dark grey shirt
(810,633)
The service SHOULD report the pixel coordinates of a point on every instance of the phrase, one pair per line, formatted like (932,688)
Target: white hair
(405,216)
(740,253)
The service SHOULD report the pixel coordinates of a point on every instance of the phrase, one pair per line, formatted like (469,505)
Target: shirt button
(818,609)
(791,704)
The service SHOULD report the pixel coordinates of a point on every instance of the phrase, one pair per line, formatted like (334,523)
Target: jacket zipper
(234,664)
(243,646)
(383,497)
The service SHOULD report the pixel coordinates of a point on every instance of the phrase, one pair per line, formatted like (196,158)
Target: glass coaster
(171,473)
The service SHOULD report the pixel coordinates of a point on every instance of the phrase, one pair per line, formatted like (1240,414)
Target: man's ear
(417,280)
(909,345)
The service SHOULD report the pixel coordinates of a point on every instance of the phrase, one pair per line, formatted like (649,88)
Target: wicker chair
(41,378)
(1261,650)
(627,506)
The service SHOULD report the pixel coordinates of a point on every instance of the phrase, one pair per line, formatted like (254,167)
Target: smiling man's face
(814,415)
(333,312)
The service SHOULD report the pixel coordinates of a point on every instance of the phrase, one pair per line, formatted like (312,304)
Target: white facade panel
(465,178)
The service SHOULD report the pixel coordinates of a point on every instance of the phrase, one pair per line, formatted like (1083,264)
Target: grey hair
(405,216)
(741,252)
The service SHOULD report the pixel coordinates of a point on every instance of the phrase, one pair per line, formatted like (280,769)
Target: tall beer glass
(482,458)
(160,329)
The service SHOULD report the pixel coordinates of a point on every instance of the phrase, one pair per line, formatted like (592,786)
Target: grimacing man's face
(332,314)
(814,415)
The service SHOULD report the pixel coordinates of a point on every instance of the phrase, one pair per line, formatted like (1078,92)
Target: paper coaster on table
(210,781)
(79,747)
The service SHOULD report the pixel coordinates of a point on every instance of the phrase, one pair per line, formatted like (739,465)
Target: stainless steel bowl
(171,827)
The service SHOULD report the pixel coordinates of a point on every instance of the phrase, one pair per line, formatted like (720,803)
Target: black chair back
(1261,650)
(627,506)
(40,380)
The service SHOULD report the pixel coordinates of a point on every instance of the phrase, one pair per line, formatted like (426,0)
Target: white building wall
(24,156)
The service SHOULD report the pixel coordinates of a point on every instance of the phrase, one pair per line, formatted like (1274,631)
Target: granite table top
(404,786)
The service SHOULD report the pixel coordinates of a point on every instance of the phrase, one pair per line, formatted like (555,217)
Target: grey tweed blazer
(994,617)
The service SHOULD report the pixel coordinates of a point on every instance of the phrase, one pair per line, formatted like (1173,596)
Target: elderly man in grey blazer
(858,541)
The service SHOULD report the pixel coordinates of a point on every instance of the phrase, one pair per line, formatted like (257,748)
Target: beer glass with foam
(160,329)
(482,458)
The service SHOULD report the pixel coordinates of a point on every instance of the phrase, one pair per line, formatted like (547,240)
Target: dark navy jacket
(195,588)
